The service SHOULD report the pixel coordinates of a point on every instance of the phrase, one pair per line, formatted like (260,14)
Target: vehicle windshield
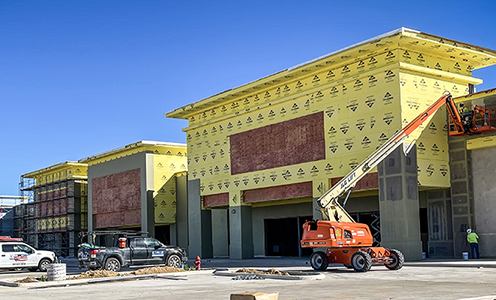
(152,243)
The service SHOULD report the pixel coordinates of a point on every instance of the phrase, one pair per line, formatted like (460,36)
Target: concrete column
(320,187)
(147,203)
(462,196)
(220,233)
(484,204)
(240,227)
(200,224)
(399,203)
(181,226)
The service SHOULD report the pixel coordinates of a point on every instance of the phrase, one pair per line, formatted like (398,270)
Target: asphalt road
(415,281)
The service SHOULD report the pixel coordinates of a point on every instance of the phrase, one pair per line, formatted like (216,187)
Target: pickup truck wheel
(319,261)
(397,260)
(361,261)
(174,261)
(43,265)
(112,264)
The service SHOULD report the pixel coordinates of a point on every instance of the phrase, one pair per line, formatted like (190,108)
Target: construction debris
(248,277)
(270,272)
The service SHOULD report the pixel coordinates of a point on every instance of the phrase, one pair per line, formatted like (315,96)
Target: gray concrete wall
(240,232)
(180,229)
(134,161)
(200,224)
(461,193)
(362,204)
(259,214)
(220,232)
(399,204)
(484,176)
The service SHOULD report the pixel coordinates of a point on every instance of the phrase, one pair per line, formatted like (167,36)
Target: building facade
(261,154)
(58,210)
(142,187)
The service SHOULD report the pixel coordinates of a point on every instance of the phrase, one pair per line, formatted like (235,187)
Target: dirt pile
(104,273)
(96,274)
(27,280)
(270,272)
(156,270)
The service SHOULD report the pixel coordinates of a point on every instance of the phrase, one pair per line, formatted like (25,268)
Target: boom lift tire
(398,260)
(361,261)
(112,264)
(319,261)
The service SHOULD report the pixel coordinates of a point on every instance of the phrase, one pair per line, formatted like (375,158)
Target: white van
(15,255)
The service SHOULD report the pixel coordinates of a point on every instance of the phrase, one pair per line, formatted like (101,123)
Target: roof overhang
(58,167)
(477,57)
(137,145)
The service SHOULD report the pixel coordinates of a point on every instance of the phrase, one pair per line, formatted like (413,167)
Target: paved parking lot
(428,279)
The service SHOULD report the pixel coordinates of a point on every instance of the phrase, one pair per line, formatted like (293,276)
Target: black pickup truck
(129,250)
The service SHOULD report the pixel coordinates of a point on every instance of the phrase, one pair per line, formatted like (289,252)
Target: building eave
(403,37)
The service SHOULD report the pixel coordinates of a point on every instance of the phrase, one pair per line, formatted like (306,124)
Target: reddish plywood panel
(63,205)
(286,143)
(115,219)
(216,200)
(297,190)
(117,192)
(369,181)
(116,199)
(49,205)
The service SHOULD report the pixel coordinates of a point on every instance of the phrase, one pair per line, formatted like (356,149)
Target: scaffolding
(55,214)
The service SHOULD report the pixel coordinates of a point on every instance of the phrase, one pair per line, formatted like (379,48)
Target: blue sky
(78,78)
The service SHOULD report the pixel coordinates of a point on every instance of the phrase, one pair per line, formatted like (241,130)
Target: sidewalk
(291,262)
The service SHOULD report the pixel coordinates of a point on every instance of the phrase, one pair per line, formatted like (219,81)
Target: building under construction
(142,187)
(260,155)
(57,209)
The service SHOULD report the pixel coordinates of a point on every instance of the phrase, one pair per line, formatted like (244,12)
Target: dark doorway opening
(282,237)
(424,229)
(162,233)
(373,220)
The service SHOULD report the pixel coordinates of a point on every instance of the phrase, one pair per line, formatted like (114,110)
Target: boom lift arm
(329,205)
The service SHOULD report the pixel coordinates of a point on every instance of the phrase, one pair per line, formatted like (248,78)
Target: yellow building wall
(165,168)
(59,174)
(363,102)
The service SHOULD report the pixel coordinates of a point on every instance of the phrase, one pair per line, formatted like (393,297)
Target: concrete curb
(292,275)
(65,283)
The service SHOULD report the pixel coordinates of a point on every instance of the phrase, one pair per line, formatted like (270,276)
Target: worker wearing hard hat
(474,244)
(463,108)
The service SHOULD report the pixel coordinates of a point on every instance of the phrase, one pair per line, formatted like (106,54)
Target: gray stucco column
(462,194)
(200,224)
(240,227)
(220,233)
(181,226)
(399,203)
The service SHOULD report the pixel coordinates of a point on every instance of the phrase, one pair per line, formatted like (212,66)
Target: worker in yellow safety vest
(474,244)
(463,108)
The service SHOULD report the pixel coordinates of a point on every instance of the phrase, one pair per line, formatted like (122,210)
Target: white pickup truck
(17,254)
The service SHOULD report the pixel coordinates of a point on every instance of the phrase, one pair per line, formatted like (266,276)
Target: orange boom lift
(350,243)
